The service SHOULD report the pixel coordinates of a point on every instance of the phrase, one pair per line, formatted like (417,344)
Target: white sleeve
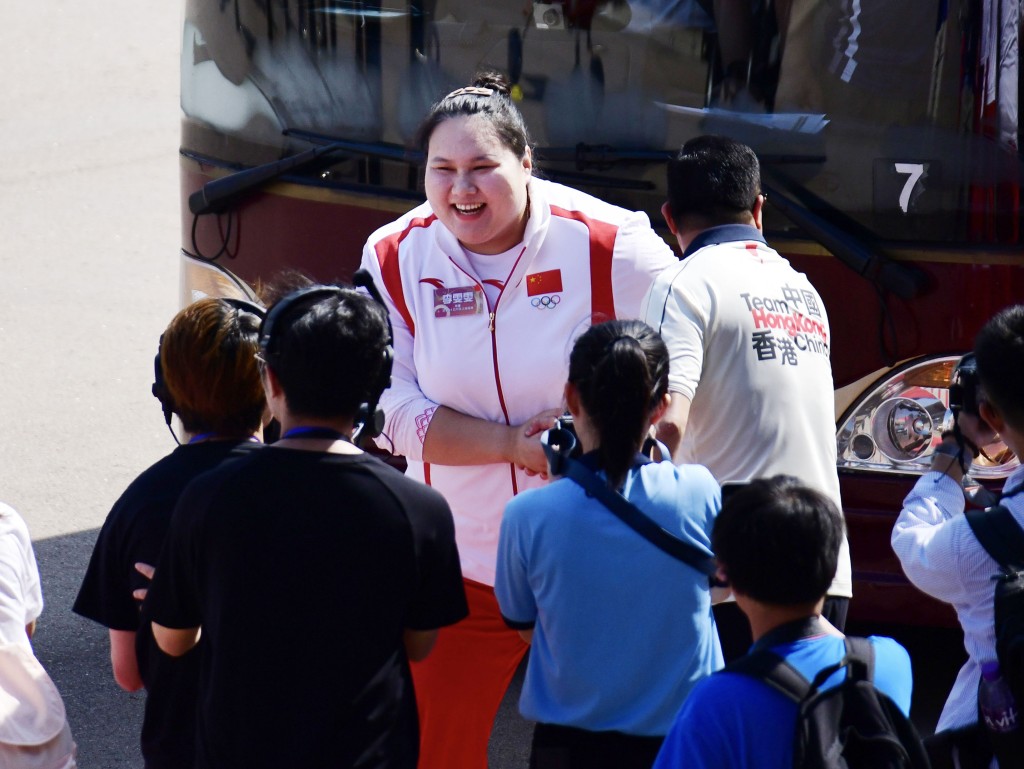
(670,311)
(925,537)
(21,597)
(407,412)
(640,255)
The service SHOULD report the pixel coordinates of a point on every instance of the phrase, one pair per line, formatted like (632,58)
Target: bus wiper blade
(904,280)
(217,195)
(380,150)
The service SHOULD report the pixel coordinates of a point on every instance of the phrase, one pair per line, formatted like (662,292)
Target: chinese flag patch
(548,282)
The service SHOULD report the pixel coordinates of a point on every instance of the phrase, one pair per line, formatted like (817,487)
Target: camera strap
(557,450)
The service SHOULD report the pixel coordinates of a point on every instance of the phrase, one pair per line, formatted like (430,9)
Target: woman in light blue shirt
(620,630)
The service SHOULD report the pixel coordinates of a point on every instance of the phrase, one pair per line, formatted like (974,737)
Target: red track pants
(459,687)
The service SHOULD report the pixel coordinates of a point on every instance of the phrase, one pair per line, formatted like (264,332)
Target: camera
(563,436)
(965,397)
(560,444)
(965,389)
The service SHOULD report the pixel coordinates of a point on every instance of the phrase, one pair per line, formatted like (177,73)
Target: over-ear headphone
(370,418)
(160,391)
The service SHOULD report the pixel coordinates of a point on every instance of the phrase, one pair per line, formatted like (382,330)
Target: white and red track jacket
(582,261)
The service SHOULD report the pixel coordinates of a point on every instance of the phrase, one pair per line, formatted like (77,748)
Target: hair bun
(494,80)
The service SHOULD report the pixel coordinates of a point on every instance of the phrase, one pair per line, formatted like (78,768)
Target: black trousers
(565,747)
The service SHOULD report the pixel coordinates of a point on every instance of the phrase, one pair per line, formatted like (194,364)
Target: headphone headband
(286,305)
(370,419)
(243,305)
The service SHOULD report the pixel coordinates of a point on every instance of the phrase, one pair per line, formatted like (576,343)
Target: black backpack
(1003,539)
(849,726)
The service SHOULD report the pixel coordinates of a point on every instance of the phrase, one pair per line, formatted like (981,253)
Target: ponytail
(620,370)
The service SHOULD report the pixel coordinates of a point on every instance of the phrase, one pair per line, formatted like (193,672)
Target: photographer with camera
(937,544)
(620,629)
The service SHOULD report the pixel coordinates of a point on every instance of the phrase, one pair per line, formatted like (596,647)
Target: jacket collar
(724,233)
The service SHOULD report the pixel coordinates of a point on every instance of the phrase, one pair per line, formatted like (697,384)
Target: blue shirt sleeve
(893,672)
(697,738)
(511,580)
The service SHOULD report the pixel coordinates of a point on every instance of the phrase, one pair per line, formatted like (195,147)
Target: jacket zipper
(492,318)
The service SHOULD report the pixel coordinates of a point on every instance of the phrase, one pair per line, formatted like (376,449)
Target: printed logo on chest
(787,326)
(544,289)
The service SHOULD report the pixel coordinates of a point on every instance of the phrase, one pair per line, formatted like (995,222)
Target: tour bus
(888,134)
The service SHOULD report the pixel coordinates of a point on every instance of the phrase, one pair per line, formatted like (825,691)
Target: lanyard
(323,433)
(216,436)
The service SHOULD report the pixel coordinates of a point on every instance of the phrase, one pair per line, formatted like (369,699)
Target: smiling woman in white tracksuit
(488,283)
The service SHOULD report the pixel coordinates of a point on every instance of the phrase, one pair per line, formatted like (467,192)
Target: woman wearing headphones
(620,629)
(487,283)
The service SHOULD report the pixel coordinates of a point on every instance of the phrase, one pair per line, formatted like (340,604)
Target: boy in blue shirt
(777,543)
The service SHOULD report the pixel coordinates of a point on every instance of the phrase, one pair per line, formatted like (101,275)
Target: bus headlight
(895,426)
(200,279)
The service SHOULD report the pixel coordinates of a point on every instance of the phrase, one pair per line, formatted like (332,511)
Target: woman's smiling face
(476,185)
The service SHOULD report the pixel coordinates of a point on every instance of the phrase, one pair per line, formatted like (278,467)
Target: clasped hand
(527,453)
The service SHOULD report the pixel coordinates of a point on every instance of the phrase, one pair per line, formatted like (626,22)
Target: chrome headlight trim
(896,423)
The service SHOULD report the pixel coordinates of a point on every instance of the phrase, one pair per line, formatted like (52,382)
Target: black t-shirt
(134,532)
(304,569)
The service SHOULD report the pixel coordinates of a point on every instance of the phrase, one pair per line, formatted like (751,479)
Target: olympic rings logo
(546,302)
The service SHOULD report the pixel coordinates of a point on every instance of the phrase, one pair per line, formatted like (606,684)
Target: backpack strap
(558,444)
(859,662)
(1000,535)
(767,666)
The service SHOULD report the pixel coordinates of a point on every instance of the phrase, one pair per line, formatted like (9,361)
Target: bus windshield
(901,118)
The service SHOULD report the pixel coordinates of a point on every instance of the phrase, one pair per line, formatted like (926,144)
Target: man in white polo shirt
(751,381)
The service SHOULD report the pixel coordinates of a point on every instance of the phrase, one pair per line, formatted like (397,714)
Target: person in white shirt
(749,338)
(932,538)
(34,732)
(488,283)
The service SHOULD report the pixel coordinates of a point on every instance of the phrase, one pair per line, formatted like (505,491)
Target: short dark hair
(714,179)
(999,350)
(208,364)
(488,96)
(778,541)
(620,369)
(327,350)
